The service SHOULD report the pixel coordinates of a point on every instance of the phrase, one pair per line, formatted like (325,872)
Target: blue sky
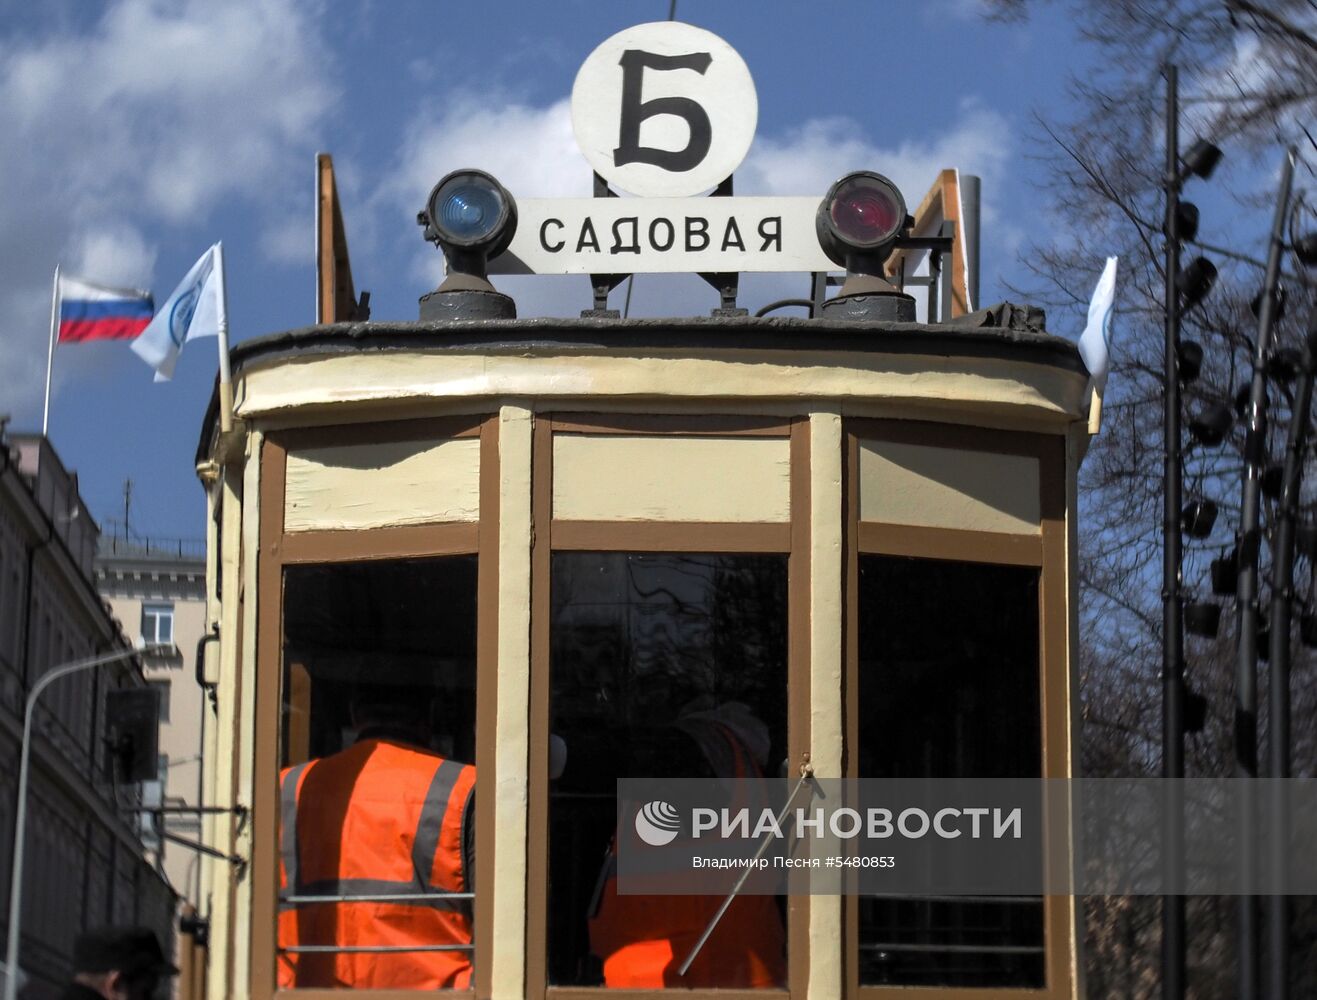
(139,132)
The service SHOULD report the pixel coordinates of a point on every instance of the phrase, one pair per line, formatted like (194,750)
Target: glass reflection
(664,665)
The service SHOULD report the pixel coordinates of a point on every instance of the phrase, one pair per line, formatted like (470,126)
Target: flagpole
(50,351)
(225,377)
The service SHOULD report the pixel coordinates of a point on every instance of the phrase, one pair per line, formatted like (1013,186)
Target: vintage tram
(569,543)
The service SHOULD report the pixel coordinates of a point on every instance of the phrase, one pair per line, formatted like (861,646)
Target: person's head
(120,963)
(392,711)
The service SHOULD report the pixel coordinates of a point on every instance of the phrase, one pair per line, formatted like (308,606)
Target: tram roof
(742,335)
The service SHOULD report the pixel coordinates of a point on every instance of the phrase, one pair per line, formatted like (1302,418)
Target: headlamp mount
(472,218)
(858,223)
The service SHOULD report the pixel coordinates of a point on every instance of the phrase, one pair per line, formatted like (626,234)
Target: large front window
(663,665)
(375,638)
(377,783)
(948,688)
(957,671)
(669,582)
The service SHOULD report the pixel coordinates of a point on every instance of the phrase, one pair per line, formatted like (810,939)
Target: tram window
(949,688)
(658,662)
(377,778)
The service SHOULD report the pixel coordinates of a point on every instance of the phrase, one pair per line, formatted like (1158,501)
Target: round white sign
(664,109)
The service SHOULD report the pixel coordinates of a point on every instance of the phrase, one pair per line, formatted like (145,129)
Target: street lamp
(20,819)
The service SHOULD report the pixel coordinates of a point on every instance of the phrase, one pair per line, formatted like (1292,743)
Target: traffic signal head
(1202,618)
(1186,221)
(1285,364)
(1189,354)
(1198,517)
(1305,247)
(1195,711)
(1212,423)
(1225,573)
(472,218)
(1201,159)
(1305,539)
(1195,281)
(1278,307)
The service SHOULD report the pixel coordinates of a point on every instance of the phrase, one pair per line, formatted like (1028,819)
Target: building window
(157,623)
(162,691)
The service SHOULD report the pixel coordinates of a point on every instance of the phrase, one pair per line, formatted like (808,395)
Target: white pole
(1095,411)
(225,377)
(20,818)
(50,353)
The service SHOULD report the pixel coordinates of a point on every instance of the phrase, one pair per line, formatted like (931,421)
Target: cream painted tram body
(874,527)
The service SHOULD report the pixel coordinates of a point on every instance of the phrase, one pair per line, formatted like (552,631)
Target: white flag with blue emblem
(195,309)
(1095,341)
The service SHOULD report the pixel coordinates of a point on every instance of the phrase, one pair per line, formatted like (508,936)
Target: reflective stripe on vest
(426,842)
(425,845)
(288,823)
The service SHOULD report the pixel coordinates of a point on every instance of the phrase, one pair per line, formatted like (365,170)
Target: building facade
(85,863)
(156,589)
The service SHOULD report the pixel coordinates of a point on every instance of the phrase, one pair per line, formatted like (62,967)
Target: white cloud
(532,151)
(290,239)
(140,124)
(117,254)
(809,158)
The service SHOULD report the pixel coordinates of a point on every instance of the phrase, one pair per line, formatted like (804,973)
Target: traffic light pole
(1173,913)
(1246,667)
(1282,596)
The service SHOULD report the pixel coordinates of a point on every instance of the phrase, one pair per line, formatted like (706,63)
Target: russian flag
(89,311)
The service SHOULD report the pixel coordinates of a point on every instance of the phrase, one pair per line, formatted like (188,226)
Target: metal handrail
(966,898)
(409,897)
(959,949)
(324,949)
(148,546)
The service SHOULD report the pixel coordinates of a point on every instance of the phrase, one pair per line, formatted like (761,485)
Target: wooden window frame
(1046,551)
(279,550)
(787,538)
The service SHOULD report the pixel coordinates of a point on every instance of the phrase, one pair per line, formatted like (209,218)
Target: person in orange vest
(643,940)
(383,832)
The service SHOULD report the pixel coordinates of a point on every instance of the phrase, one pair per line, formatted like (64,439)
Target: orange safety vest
(379,819)
(642,940)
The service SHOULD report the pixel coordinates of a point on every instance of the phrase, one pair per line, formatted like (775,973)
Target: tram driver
(376,854)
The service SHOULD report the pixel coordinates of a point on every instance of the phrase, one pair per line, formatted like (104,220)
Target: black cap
(130,950)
